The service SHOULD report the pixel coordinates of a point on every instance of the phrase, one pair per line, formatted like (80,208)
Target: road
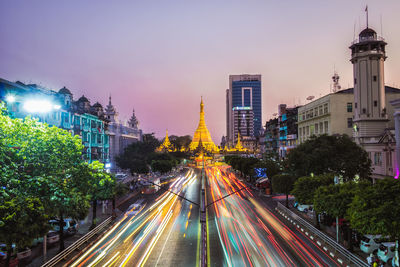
(165,231)
(242,230)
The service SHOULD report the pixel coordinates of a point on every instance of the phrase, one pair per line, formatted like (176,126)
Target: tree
(283,183)
(41,163)
(305,187)
(336,154)
(376,210)
(22,219)
(100,185)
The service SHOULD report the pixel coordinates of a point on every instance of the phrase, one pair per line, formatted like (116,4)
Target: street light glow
(56,107)
(38,106)
(10,99)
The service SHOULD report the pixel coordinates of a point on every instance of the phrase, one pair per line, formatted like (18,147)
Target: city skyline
(162,63)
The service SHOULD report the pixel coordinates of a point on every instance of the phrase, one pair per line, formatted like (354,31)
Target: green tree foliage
(336,154)
(100,185)
(283,183)
(376,209)
(22,219)
(305,187)
(139,156)
(42,164)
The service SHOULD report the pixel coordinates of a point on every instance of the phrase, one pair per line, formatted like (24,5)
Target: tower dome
(367,34)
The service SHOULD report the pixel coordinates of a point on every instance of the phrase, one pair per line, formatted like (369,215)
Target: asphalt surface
(243,229)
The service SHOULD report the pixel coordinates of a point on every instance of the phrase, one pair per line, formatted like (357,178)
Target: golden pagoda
(202,135)
(166,145)
(239,146)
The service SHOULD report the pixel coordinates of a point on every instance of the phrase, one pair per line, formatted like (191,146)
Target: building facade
(58,109)
(287,123)
(333,114)
(244,93)
(272,137)
(121,135)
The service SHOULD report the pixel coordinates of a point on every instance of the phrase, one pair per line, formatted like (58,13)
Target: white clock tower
(368,57)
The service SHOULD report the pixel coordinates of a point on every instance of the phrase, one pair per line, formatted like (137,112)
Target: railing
(325,238)
(66,252)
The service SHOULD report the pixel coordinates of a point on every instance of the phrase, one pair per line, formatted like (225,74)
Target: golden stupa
(202,134)
(166,145)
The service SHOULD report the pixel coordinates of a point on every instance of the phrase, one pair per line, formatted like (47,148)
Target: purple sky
(161,56)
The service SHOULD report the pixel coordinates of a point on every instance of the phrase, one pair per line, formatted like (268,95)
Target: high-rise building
(244,93)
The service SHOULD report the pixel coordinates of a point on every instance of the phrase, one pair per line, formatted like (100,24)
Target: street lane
(132,240)
(249,234)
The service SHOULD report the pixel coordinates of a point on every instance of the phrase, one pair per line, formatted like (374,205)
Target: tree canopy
(336,154)
(283,183)
(305,187)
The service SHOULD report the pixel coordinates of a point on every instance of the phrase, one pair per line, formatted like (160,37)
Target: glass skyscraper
(244,92)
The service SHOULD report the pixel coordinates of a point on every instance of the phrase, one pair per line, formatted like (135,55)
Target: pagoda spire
(166,145)
(202,135)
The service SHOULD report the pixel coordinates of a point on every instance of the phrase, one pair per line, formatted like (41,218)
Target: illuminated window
(325,108)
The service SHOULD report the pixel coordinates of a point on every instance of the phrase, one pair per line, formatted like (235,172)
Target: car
(386,251)
(52,237)
(70,226)
(304,208)
(370,243)
(134,208)
(120,176)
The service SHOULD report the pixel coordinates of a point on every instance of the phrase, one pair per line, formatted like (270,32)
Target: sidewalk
(84,227)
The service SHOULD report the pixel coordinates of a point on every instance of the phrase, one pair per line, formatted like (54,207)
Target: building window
(312,129)
(349,107)
(326,127)
(316,112)
(378,159)
(355,105)
(316,128)
(308,130)
(349,122)
(325,108)
(321,127)
(374,78)
(355,81)
(364,111)
(375,103)
(320,110)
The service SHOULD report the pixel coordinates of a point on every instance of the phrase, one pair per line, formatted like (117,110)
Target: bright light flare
(38,106)
(10,99)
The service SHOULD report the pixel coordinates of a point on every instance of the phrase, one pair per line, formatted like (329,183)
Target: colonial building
(121,135)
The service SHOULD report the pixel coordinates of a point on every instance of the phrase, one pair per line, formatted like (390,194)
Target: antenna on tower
(354,32)
(366,10)
(335,79)
(381,26)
